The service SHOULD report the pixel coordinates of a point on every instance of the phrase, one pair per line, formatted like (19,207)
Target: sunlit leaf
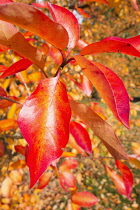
(56,55)
(15,176)
(32,19)
(81,136)
(7,124)
(129,46)
(72,206)
(117,180)
(101,129)
(68,21)
(46,114)
(127,177)
(84,199)
(35,76)
(41,5)
(12,38)
(110,87)
(16,165)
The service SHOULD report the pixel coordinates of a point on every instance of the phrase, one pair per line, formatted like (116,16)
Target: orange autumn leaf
(8,124)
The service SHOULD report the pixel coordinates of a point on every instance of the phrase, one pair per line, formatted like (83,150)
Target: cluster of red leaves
(44,119)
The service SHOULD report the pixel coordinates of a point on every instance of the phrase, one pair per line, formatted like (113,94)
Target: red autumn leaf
(127,177)
(2,92)
(117,180)
(41,5)
(81,136)
(16,67)
(101,129)
(68,164)
(110,87)
(21,149)
(100,1)
(84,199)
(5,1)
(45,49)
(44,180)
(44,123)
(32,19)
(56,55)
(67,179)
(11,37)
(5,103)
(68,21)
(3,68)
(129,46)
(7,124)
(1,148)
(135,159)
(3,48)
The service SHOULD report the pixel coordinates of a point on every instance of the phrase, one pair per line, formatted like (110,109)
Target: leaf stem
(8,99)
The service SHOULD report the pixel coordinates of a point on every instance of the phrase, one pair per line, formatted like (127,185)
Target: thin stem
(8,99)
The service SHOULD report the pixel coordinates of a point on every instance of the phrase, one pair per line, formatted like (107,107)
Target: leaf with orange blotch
(127,177)
(21,149)
(45,49)
(44,123)
(56,55)
(2,92)
(67,179)
(129,46)
(99,1)
(3,68)
(8,124)
(73,144)
(32,19)
(68,164)
(16,67)
(6,187)
(117,180)
(66,18)
(81,136)
(84,199)
(135,159)
(1,148)
(44,180)
(101,129)
(110,87)
(12,38)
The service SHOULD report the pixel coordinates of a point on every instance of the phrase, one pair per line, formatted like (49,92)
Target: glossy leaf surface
(117,180)
(127,177)
(12,38)
(16,67)
(81,136)
(101,129)
(32,19)
(44,123)
(84,199)
(114,44)
(110,87)
(68,21)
